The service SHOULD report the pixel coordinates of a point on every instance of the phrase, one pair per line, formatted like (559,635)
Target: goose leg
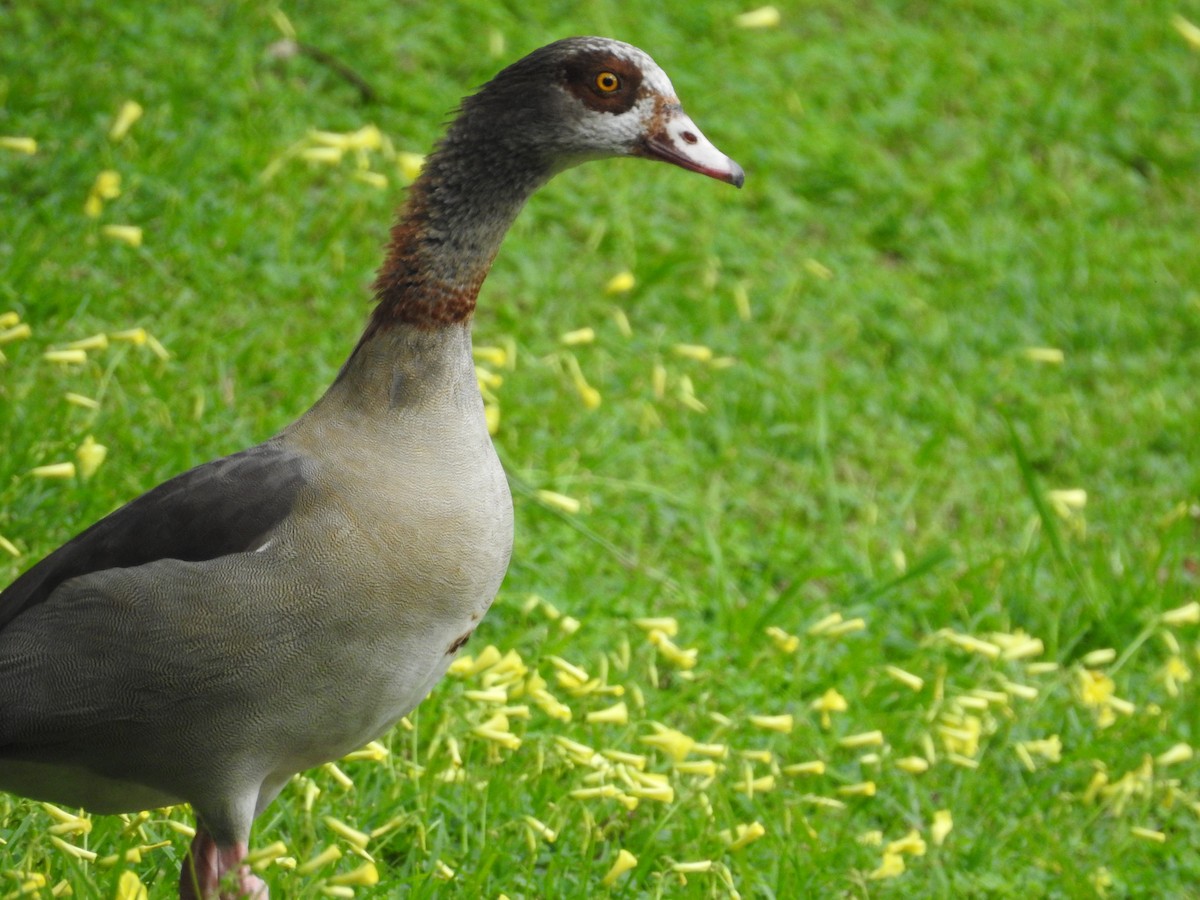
(209,867)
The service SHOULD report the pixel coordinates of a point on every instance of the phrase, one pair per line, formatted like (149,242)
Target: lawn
(858,512)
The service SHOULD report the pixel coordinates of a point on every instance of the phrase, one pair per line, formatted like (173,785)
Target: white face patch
(653,125)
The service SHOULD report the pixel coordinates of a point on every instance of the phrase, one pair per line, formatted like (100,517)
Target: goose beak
(674,138)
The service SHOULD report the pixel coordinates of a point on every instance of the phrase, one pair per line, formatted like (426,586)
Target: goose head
(586,98)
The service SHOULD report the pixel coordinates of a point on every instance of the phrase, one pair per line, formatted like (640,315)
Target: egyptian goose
(275,609)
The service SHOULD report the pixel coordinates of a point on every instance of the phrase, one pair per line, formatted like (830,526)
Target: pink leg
(208,867)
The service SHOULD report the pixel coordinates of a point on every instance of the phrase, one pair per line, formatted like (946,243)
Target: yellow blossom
(674,743)
(814,767)
(908,679)
(135,336)
(90,455)
(344,831)
(677,656)
(551,705)
(766,757)
(865,739)
(373,751)
(891,866)
(847,627)
(549,835)
(343,780)
(25,145)
(972,644)
(8,546)
(1173,673)
(578,336)
(1050,748)
(662,793)
(1023,649)
(687,395)
(943,823)
(786,643)
(705,767)
(442,871)
(1051,355)
(781,723)
(560,502)
(1177,754)
(693,868)
(698,352)
(829,702)
(621,283)
(1188,614)
(751,786)
(1187,30)
(862,789)
(1024,691)
(330,854)
(624,862)
(1098,658)
(961,735)
(54,470)
(496,730)
(468,666)
(366,875)
(72,850)
(95,342)
(911,843)
(637,760)
(618,714)
(741,835)
(913,765)
(871,838)
(107,186)
(824,624)
(66,357)
(1096,690)
(763,17)
(1067,501)
(78,825)
(129,113)
(266,854)
(126,234)
(130,887)
(1148,834)
(668,625)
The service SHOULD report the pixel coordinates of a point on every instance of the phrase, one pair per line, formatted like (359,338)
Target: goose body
(275,609)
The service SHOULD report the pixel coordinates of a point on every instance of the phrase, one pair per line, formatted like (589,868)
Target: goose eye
(607,82)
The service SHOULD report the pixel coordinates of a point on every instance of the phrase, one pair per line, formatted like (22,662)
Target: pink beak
(677,140)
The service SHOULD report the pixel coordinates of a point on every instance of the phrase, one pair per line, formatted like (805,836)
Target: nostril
(689,137)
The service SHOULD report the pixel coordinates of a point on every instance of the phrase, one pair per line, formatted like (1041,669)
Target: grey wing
(222,507)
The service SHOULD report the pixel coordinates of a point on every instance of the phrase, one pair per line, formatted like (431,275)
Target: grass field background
(900,440)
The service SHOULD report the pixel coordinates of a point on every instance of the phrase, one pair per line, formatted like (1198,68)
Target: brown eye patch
(602,82)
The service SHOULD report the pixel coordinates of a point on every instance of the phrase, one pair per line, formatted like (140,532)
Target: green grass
(932,189)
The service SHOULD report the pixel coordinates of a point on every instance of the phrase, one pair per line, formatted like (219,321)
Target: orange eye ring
(607,82)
